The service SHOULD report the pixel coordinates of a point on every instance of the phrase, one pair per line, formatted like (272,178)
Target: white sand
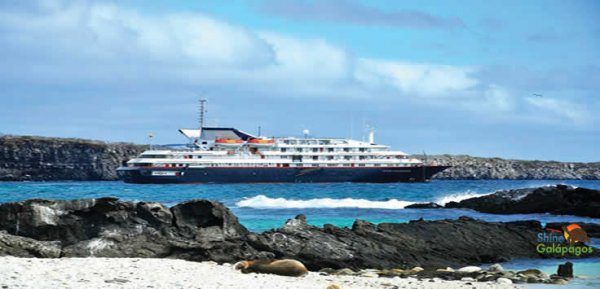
(167,273)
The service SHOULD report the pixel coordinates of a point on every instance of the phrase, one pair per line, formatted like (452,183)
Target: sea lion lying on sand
(285,267)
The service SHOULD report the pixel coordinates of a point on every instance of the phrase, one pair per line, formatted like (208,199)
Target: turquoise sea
(264,206)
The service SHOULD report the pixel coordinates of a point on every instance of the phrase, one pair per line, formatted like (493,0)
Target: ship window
(153,156)
(347,157)
(284,157)
(299,149)
(346,149)
(315,158)
(330,149)
(315,149)
(315,165)
(361,165)
(330,157)
(361,149)
(283,149)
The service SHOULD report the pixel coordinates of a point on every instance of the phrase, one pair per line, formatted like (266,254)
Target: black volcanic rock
(32,158)
(201,230)
(565,270)
(558,200)
(433,244)
(18,246)
(107,227)
(430,205)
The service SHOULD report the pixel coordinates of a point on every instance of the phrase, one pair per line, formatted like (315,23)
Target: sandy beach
(170,273)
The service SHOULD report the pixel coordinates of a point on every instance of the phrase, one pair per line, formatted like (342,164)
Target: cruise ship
(229,155)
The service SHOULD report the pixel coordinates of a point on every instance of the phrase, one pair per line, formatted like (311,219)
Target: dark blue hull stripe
(278,175)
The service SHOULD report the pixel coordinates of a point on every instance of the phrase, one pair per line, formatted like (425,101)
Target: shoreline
(173,273)
(33,158)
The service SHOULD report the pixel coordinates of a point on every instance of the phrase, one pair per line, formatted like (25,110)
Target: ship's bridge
(212,133)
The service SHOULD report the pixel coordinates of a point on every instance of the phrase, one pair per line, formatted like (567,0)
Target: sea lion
(285,267)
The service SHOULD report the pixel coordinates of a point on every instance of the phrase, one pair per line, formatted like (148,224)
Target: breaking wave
(264,202)
(458,197)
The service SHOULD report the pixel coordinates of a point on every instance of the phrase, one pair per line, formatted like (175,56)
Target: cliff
(479,168)
(44,159)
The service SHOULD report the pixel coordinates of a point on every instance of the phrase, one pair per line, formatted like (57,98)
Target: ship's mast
(202,113)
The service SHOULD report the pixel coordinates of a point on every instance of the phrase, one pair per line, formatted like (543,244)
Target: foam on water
(458,197)
(264,202)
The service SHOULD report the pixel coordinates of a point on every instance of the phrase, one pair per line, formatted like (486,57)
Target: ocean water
(264,206)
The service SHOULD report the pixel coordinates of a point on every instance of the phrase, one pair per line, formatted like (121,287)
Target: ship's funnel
(372,136)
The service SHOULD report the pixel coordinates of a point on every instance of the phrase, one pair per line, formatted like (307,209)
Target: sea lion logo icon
(575,234)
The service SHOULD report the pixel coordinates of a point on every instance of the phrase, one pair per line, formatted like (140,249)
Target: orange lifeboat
(229,142)
(261,142)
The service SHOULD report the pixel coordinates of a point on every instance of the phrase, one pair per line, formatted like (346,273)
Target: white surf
(264,202)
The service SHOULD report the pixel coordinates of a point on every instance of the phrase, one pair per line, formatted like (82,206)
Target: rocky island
(203,230)
(481,168)
(557,200)
(32,158)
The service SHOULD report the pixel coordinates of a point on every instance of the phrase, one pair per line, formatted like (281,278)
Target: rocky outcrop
(12,245)
(430,244)
(479,168)
(429,205)
(202,230)
(195,230)
(44,159)
(558,200)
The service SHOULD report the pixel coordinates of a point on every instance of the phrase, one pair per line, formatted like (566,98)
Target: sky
(510,79)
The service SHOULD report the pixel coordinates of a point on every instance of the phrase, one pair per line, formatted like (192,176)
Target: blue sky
(513,79)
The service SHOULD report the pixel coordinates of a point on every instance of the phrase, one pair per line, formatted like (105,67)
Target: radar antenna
(202,112)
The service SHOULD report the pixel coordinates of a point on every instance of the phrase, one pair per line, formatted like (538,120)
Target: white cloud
(109,32)
(559,107)
(311,58)
(96,43)
(415,78)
